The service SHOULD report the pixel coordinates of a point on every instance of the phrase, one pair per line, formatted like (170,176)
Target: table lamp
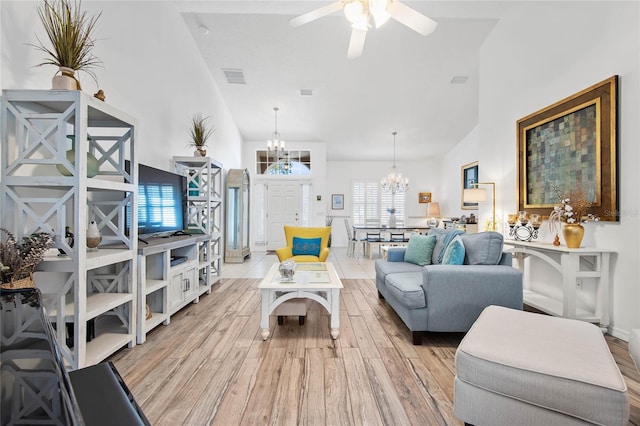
(433,211)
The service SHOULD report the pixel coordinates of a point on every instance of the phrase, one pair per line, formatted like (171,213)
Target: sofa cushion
(484,248)
(306,246)
(407,289)
(383,268)
(420,249)
(454,253)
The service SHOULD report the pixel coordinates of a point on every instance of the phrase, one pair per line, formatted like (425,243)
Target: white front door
(283,208)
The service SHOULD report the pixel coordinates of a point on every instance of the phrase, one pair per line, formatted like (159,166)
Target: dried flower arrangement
(19,260)
(571,211)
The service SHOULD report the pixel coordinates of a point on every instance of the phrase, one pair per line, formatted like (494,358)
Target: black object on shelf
(177,260)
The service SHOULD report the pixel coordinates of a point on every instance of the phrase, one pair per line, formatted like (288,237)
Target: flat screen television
(161,201)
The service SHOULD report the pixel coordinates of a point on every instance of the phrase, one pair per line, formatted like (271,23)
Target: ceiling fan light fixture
(378,9)
(355,12)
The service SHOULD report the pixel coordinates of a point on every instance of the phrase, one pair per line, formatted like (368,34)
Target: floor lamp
(479,195)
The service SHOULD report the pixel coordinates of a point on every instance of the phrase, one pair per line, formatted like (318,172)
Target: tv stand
(173,271)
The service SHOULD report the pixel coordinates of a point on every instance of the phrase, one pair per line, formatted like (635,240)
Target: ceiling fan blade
(412,19)
(356,43)
(316,14)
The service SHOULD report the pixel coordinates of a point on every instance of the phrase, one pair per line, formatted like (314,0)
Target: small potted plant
(18,260)
(199,134)
(70,32)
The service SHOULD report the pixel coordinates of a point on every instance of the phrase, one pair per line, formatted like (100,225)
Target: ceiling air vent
(306,92)
(234,76)
(459,79)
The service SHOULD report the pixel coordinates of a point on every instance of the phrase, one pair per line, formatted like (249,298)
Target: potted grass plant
(199,133)
(71,35)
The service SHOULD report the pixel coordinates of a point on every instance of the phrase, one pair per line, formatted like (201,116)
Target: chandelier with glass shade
(394,182)
(275,143)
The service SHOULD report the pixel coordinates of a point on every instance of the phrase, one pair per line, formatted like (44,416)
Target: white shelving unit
(172,272)
(204,205)
(84,290)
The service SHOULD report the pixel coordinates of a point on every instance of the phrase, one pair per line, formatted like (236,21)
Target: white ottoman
(634,346)
(293,307)
(521,368)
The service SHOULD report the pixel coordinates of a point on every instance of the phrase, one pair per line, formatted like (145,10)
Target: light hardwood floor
(210,366)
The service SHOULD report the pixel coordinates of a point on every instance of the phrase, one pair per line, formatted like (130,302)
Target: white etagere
(204,207)
(83,289)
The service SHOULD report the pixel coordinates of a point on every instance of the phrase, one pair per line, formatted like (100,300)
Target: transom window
(370,203)
(287,163)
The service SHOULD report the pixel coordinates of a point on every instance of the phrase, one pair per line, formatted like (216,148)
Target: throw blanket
(448,237)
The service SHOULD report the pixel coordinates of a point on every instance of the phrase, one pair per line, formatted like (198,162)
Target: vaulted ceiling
(402,82)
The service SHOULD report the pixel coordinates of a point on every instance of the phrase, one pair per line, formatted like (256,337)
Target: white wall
(539,54)
(424,176)
(152,70)
(465,152)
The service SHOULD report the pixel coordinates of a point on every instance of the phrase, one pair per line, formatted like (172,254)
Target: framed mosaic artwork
(571,146)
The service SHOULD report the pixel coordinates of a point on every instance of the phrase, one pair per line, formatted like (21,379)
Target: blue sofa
(444,297)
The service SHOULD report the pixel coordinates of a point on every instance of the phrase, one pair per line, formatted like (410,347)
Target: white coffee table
(315,281)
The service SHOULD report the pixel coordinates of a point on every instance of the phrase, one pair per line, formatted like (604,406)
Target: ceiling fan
(361,12)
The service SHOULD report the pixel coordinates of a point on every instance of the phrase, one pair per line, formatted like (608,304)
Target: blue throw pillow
(454,253)
(420,249)
(306,246)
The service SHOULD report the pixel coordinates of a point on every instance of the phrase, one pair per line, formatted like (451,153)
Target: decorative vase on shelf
(573,233)
(392,220)
(69,239)
(93,236)
(66,80)
(200,152)
(93,166)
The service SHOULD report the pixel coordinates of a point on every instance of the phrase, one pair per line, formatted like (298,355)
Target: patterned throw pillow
(420,249)
(306,246)
(454,253)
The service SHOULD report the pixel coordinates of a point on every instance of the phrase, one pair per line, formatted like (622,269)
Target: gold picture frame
(570,147)
(424,197)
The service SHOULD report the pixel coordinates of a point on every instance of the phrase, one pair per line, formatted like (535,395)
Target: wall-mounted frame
(337,201)
(571,145)
(424,197)
(468,177)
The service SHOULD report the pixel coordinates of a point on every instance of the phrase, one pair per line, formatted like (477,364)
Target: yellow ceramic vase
(573,233)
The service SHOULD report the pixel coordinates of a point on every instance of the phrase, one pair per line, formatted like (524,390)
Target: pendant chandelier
(275,143)
(394,182)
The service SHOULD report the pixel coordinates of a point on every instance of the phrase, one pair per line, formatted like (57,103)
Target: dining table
(362,231)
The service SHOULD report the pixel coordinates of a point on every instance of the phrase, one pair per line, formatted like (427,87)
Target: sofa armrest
(396,254)
(460,292)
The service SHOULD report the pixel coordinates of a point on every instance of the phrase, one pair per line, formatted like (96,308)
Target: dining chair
(353,241)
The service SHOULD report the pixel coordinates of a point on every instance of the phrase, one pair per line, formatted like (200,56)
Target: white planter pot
(65,81)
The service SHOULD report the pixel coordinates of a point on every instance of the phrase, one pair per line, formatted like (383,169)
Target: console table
(572,265)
